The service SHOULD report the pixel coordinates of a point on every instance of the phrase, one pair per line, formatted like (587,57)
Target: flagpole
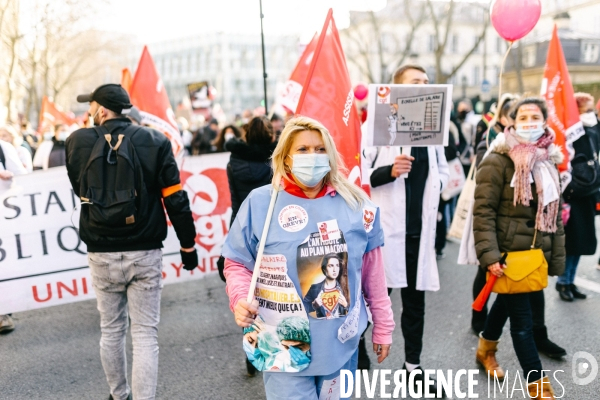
(262,39)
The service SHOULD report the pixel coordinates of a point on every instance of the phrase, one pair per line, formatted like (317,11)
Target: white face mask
(229,136)
(309,169)
(62,136)
(531,131)
(48,136)
(91,122)
(589,119)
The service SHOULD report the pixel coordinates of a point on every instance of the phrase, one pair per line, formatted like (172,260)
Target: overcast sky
(180,18)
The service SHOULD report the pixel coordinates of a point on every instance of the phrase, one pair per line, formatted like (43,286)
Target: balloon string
(510,44)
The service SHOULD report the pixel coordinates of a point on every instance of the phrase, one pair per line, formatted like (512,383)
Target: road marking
(587,284)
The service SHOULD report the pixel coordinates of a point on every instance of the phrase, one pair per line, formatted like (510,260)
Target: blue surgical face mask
(298,357)
(309,169)
(531,131)
(254,355)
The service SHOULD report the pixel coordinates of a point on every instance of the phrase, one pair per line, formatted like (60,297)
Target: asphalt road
(54,352)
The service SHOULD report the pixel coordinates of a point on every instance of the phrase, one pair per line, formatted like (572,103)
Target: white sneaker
(6,324)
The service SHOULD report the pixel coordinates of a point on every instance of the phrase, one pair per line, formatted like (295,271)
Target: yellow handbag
(526,271)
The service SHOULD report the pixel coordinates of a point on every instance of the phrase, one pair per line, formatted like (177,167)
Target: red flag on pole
(126,79)
(148,93)
(327,96)
(50,115)
(293,87)
(563,114)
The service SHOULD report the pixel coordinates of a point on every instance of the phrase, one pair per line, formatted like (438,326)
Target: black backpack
(112,185)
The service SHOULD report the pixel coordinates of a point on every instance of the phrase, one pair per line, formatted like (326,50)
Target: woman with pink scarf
(517,203)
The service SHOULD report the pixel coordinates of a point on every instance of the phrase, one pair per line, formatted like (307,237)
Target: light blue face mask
(298,357)
(254,355)
(309,169)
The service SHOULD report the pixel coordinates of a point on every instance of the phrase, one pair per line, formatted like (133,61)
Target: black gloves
(189,260)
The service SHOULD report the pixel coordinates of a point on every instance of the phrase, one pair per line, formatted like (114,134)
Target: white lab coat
(391,198)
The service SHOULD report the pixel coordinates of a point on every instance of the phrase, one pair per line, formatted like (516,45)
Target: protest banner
(563,114)
(44,263)
(408,115)
(199,95)
(148,93)
(327,96)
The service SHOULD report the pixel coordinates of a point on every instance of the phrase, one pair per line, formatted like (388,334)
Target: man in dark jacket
(127,269)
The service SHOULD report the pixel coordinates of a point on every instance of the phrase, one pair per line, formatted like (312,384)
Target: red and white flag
(563,114)
(148,93)
(293,87)
(327,96)
(51,115)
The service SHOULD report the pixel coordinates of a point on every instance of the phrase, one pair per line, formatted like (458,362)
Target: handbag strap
(534,238)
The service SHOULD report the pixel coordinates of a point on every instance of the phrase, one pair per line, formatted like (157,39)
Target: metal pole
(262,39)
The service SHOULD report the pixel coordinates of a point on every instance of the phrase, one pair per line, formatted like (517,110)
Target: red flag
(293,87)
(50,115)
(126,79)
(327,96)
(148,93)
(563,114)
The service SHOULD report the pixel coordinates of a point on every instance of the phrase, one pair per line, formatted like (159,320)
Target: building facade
(230,62)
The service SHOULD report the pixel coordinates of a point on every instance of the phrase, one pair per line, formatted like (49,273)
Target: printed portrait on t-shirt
(323,273)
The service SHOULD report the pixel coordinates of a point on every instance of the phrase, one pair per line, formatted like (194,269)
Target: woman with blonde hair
(317,211)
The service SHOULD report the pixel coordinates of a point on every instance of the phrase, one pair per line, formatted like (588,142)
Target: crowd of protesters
(519,204)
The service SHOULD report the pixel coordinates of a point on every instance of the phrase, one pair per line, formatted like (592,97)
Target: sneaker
(6,324)
(421,378)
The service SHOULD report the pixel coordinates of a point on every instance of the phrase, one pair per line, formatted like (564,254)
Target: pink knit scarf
(528,159)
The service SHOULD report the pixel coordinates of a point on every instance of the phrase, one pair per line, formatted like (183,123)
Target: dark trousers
(536,300)
(442,227)
(518,307)
(412,320)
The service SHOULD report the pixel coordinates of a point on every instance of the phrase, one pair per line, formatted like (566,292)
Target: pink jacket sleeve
(376,296)
(238,281)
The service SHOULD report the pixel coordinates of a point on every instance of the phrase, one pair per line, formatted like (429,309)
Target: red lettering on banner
(177,269)
(84,284)
(60,286)
(164,275)
(37,298)
(213,263)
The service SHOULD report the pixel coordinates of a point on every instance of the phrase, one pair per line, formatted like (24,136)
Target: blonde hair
(352,194)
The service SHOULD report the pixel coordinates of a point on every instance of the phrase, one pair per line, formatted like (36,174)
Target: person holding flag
(315,211)
(409,217)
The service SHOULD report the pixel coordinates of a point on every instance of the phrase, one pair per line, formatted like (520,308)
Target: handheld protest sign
(408,115)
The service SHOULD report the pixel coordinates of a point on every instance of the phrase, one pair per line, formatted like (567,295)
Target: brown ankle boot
(486,356)
(541,389)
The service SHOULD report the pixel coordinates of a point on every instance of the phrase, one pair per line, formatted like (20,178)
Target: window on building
(454,44)
(475,39)
(590,52)
(500,45)
(476,76)
(529,56)
(432,43)
(496,75)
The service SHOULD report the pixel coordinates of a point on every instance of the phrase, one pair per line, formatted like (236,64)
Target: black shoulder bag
(585,175)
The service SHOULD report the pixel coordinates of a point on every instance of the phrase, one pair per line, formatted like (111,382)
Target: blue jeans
(283,386)
(517,307)
(570,270)
(128,284)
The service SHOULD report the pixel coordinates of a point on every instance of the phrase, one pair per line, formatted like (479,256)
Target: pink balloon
(360,91)
(513,19)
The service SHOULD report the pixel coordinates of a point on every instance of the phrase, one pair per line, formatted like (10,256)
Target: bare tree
(443,20)
(377,51)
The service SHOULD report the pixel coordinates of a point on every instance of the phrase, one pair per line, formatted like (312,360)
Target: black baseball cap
(111,96)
